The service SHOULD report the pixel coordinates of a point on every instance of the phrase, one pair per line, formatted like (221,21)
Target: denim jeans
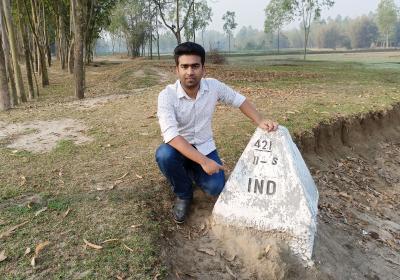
(181,172)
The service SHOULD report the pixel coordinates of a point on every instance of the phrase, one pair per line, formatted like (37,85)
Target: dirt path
(42,136)
(359,224)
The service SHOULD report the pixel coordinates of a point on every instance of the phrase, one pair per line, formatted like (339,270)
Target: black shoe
(180,210)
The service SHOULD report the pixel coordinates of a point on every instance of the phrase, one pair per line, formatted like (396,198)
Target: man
(185,111)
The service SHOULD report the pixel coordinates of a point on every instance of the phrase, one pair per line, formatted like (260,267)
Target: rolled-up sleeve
(166,117)
(229,96)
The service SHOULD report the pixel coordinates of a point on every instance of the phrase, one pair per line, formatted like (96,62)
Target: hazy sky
(251,12)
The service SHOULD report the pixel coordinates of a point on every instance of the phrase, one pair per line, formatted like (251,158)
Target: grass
(80,184)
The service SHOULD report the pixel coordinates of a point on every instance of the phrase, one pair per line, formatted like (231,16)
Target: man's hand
(268,125)
(211,167)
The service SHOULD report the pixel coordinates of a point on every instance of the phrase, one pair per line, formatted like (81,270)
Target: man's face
(190,71)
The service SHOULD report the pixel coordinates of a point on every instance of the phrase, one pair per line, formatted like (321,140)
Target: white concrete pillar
(271,190)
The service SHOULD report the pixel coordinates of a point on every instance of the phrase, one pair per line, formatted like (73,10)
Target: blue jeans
(181,171)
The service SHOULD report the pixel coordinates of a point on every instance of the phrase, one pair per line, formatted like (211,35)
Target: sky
(251,12)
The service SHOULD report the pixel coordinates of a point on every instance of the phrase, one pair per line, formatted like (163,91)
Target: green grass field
(109,191)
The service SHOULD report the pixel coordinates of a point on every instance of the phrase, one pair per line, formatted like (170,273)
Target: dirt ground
(358,222)
(105,185)
(42,136)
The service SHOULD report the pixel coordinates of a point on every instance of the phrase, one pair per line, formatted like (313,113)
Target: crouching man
(185,111)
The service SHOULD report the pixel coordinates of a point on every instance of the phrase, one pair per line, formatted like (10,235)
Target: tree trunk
(387,39)
(306,32)
(71,56)
(79,73)
(14,53)
(24,33)
(4,94)
(61,36)
(229,39)
(278,39)
(8,62)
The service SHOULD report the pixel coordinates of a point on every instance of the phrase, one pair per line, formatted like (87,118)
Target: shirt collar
(181,92)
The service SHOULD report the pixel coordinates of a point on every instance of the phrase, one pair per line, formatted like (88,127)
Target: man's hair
(189,48)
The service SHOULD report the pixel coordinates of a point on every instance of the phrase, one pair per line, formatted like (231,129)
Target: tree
(275,17)
(28,57)
(199,19)
(174,9)
(363,32)
(4,95)
(8,61)
(387,18)
(229,25)
(115,26)
(37,23)
(79,9)
(14,52)
(307,11)
(135,25)
(97,19)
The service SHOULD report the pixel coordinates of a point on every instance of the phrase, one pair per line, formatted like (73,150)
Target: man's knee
(215,185)
(166,153)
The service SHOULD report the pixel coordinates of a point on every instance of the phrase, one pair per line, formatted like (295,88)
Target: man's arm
(250,111)
(209,166)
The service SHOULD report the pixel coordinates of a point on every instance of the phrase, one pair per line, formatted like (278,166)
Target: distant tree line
(379,29)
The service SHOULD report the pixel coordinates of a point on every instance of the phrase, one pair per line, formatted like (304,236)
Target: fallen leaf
(27,251)
(156,276)
(91,245)
(374,234)
(177,275)
(345,195)
(230,272)
(40,211)
(11,230)
(116,183)
(110,240)
(66,212)
(138,176)
(33,261)
(119,277)
(129,249)
(23,181)
(3,255)
(40,247)
(123,176)
(267,249)
(136,226)
(207,251)
(190,274)
(229,259)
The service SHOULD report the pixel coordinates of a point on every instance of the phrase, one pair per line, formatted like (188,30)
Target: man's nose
(190,70)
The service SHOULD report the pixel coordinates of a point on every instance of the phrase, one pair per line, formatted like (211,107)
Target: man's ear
(176,70)
(204,70)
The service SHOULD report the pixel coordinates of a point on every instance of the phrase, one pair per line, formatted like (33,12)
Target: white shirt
(178,114)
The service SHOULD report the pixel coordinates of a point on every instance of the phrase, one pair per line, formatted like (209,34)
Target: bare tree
(4,95)
(14,53)
(174,9)
(79,12)
(7,56)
